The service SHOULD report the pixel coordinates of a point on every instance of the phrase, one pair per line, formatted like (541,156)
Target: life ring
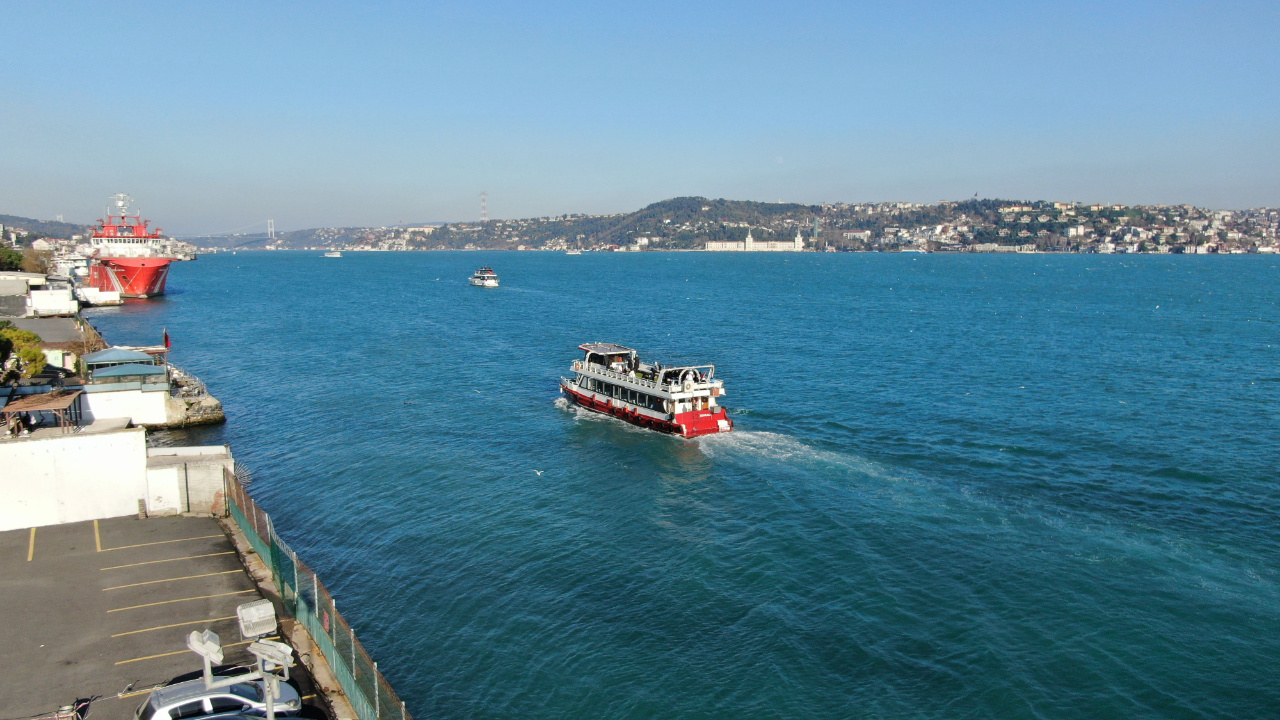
(688,385)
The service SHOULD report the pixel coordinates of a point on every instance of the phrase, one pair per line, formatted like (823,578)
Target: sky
(218,116)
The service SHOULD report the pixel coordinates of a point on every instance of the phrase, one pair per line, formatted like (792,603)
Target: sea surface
(976,486)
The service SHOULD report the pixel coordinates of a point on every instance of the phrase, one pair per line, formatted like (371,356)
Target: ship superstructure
(127,256)
(682,400)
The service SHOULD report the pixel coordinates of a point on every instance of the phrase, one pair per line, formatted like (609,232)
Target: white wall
(165,494)
(187,479)
(144,408)
(70,478)
(53,302)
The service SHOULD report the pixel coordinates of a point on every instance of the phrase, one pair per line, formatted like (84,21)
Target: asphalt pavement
(99,611)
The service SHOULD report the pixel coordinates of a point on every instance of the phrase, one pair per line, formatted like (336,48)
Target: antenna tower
(484,206)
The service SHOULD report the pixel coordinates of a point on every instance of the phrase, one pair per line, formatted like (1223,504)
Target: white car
(191,699)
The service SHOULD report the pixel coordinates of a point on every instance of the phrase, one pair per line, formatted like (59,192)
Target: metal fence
(307,600)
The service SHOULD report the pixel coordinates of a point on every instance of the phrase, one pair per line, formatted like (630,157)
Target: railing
(310,603)
(578,366)
(185,384)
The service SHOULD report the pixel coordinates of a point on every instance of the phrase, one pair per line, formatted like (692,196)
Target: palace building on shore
(750,244)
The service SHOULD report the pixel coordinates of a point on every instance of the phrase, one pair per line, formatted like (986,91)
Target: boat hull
(688,425)
(131,277)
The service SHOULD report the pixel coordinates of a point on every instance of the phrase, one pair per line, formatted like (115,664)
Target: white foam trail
(784,449)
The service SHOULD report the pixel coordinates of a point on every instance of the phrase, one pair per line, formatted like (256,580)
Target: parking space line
(166,627)
(179,652)
(31,545)
(97,537)
(153,562)
(199,597)
(154,582)
(164,542)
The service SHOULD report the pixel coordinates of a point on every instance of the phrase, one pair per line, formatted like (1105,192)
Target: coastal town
(684,224)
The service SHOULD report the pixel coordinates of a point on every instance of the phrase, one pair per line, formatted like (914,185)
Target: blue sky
(216,116)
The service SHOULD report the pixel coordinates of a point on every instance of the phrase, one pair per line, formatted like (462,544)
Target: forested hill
(690,222)
(43,228)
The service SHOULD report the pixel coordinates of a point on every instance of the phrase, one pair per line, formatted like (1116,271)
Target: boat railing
(579,366)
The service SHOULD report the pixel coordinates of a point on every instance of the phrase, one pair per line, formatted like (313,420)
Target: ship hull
(132,277)
(688,425)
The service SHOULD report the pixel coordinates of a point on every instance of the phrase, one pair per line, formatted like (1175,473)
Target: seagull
(539,472)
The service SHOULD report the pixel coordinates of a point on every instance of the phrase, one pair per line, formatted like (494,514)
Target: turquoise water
(960,486)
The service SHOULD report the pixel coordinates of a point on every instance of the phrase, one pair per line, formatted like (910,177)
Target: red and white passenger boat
(678,400)
(128,257)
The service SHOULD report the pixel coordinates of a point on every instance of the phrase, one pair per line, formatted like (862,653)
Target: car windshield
(248,691)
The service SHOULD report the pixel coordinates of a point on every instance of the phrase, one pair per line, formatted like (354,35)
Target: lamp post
(274,658)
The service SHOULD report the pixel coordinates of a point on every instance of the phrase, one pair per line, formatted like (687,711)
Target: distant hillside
(688,223)
(44,228)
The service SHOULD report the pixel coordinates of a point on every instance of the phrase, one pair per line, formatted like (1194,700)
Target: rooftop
(605,348)
(117,355)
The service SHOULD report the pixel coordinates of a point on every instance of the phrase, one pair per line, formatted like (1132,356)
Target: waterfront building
(750,244)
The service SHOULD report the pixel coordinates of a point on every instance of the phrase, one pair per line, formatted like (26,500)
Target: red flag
(167,344)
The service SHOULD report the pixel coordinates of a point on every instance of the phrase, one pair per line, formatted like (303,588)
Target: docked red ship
(678,400)
(128,257)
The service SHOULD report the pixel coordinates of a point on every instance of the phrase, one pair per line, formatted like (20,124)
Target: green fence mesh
(307,600)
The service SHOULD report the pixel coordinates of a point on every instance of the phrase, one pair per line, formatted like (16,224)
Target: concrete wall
(187,479)
(70,478)
(53,302)
(143,407)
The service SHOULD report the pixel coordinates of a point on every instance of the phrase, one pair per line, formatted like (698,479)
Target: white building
(750,244)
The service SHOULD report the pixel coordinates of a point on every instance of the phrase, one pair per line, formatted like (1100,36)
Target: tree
(20,352)
(37,261)
(10,259)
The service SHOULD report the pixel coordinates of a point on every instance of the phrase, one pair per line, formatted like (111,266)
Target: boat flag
(167,344)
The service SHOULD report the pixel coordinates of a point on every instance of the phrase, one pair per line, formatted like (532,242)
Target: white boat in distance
(572,252)
(333,253)
(485,277)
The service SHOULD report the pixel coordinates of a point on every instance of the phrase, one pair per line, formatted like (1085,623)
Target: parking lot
(100,611)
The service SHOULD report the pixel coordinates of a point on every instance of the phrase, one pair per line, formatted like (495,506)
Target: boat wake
(779,448)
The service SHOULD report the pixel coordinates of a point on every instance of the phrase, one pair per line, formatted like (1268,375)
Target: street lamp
(272,657)
(257,618)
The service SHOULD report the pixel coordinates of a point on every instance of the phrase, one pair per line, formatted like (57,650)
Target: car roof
(188,690)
